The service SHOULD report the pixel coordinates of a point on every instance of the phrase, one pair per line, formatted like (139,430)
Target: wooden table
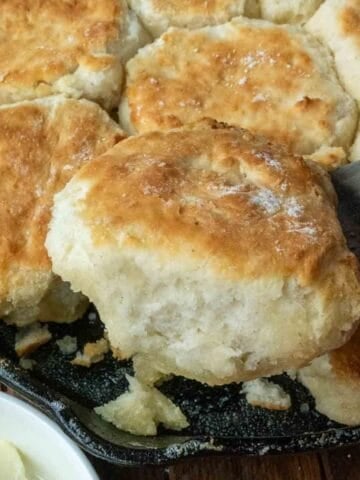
(340,464)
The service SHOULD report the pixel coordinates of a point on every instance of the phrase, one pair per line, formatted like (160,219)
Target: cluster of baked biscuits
(208,239)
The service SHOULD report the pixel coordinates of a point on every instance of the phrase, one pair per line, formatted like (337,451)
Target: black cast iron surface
(221,421)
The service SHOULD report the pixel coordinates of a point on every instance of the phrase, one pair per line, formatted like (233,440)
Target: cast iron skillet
(221,420)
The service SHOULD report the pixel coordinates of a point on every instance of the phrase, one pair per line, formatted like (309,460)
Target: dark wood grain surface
(340,464)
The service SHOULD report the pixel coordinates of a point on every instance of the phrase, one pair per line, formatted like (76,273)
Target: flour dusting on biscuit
(209,253)
(277,81)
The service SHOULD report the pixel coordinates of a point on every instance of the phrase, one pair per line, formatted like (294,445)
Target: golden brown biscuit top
(159,15)
(42,144)
(346,360)
(261,77)
(205,8)
(350,20)
(219,195)
(40,41)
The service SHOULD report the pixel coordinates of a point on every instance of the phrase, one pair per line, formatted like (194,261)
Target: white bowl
(42,444)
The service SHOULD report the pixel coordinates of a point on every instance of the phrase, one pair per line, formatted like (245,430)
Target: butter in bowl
(32,447)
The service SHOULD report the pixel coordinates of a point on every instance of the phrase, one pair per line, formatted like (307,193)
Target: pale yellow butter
(11,464)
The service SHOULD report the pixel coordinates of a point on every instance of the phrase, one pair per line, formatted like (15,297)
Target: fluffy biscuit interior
(208,252)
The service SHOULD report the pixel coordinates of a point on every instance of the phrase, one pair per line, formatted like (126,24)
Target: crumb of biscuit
(291,374)
(141,409)
(117,353)
(92,316)
(67,345)
(27,363)
(304,408)
(92,353)
(265,394)
(30,338)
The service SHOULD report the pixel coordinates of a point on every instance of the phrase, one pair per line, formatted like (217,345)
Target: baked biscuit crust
(337,24)
(243,177)
(74,47)
(159,15)
(334,381)
(283,11)
(274,80)
(223,248)
(42,144)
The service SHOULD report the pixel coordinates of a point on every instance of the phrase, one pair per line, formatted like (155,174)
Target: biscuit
(265,394)
(68,345)
(285,11)
(274,80)
(334,381)
(337,24)
(93,352)
(42,144)
(151,406)
(28,339)
(209,253)
(159,15)
(75,48)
